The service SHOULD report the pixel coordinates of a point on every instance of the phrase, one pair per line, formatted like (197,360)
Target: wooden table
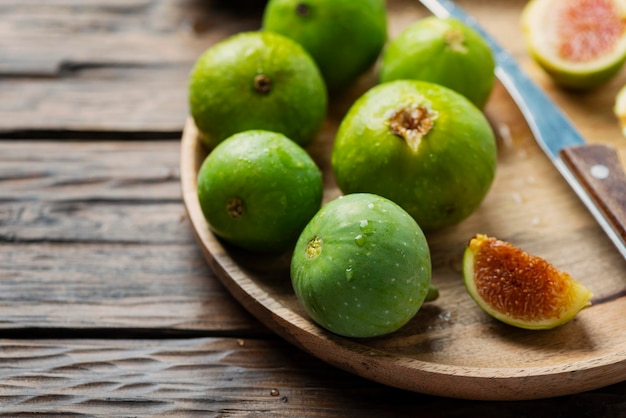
(107,306)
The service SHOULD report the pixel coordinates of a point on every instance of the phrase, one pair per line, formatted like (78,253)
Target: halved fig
(580,43)
(520,289)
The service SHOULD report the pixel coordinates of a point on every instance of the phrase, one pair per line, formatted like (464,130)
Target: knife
(592,170)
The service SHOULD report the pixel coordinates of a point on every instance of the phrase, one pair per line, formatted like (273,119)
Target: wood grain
(94,241)
(97,65)
(123,66)
(93,235)
(600,172)
(123,287)
(227,377)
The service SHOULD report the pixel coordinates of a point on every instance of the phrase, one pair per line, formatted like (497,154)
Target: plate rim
(476,383)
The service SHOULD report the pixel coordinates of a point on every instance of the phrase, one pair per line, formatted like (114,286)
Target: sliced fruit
(620,109)
(520,289)
(580,43)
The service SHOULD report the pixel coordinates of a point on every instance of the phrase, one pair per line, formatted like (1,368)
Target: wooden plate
(451,348)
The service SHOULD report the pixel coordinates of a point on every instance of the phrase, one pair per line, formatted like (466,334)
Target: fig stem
(433,293)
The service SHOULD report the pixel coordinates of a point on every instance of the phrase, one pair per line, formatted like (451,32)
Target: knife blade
(593,171)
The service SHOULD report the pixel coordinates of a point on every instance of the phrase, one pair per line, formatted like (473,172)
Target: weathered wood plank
(73,65)
(90,170)
(107,65)
(91,192)
(115,287)
(94,235)
(46,38)
(114,98)
(94,221)
(228,377)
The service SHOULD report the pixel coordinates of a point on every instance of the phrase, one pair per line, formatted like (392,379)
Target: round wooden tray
(451,348)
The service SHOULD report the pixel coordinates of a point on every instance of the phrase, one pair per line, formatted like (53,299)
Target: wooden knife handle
(598,169)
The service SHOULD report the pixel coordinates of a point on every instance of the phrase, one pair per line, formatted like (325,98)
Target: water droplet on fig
(366,227)
(360,240)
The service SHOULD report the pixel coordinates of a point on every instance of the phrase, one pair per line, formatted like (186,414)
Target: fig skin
(256,80)
(344,37)
(442,51)
(419,144)
(520,289)
(361,268)
(257,190)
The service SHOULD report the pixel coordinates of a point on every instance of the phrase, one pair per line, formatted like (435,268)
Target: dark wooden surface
(107,307)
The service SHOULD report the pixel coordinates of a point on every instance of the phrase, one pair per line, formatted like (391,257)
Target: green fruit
(420,144)
(581,44)
(442,51)
(520,289)
(361,267)
(258,189)
(344,37)
(257,80)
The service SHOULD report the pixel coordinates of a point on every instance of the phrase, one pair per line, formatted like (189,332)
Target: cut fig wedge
(520,289)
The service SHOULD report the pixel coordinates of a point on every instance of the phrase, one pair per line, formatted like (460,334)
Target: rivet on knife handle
(598,169)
